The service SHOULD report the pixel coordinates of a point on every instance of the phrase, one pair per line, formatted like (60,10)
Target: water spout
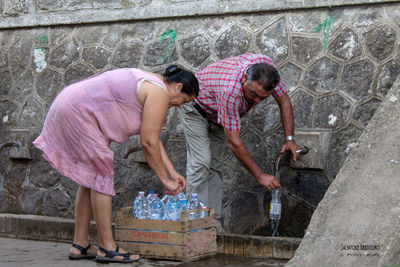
(10,144)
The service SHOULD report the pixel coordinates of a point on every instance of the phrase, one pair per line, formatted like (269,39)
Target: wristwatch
(290,138)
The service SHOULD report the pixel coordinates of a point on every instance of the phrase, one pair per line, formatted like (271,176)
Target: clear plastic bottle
(141,207)
(204,213)
(182,196)
(275,206)
(151,192)
(194,204)
(173,208)
(165,198)
(275,210)
(156,208)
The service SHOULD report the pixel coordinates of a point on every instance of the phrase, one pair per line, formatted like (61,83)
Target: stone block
(14,225)
(23,136)
(238,245)
(228,242)
(2,224)
(287,250)
(67,230)
(357,79)
(31,227)
(232,42)
(7,224)
(277,250)
(257,247)
(247,247)
(52,231)
(317,143)
(268,249)
(195,50)
(93,232)
(15,7)
(220,244)
(273,41)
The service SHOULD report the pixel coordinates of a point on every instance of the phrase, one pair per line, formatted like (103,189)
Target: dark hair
(190,84)
(264,74)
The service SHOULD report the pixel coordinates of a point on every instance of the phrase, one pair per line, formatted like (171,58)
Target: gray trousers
(205,142)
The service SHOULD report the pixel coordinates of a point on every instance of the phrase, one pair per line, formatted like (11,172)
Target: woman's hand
(178,185)
(171,187)
(176,176)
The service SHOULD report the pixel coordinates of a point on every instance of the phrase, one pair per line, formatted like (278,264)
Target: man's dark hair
(264,74)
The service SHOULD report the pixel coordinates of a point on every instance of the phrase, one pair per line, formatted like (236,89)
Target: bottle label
(275,209)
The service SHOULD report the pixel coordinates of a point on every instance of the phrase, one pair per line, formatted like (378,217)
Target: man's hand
(268,181)
(292,147)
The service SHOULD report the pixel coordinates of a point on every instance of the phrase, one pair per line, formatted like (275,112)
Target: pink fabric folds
(85,118)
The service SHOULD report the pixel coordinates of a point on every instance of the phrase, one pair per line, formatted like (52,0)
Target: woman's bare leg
(83,213)
(102,207)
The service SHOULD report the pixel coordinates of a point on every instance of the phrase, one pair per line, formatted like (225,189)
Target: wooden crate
(162,239)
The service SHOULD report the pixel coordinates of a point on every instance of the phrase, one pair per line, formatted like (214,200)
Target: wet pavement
(21,253)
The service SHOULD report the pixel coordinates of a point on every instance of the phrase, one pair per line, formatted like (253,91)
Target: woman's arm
(155,107)
(170,168)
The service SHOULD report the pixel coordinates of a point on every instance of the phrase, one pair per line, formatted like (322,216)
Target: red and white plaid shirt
(221,91)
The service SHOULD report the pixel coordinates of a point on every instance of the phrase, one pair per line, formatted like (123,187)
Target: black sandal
(109,257)
(84,253)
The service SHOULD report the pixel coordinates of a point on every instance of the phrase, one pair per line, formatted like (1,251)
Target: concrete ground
(21,252)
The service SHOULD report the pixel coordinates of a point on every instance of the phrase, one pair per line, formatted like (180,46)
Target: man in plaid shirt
(228,89)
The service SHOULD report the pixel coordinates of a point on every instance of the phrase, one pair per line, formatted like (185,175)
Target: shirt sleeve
(279,90)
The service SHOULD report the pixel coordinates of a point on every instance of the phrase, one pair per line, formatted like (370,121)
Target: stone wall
(338,63)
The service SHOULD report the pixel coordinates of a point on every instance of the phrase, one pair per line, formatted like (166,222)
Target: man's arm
(286,111)
(242,154)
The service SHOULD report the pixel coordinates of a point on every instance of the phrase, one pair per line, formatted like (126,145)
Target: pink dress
(85,118)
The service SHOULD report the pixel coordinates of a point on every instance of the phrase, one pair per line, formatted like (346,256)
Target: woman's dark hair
(264,74)
(190,84)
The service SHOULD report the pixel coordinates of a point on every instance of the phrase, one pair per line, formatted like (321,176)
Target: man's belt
(200,110)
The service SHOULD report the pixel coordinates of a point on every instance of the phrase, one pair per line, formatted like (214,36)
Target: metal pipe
(10,144)
(287,155)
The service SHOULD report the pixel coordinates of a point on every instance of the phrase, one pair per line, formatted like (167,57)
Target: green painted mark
(326,25)
(167,52)
(41,40)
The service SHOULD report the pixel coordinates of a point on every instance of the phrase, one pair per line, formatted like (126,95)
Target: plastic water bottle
(151,192)
(156,208)
(141,206)
(275,210)
(275,206)
(194,205)
(182,196)
(204,213)
(165,199)
(173,208)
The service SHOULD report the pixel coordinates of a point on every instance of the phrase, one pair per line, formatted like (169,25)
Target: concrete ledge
(79,12)
(62,230)
(257,246)
(41,228)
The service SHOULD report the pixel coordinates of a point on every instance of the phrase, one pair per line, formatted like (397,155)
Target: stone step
(47,228)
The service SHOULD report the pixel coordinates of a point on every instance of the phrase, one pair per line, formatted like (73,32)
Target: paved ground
(21,253)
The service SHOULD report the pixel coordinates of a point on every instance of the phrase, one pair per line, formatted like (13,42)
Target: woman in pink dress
(86,117)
